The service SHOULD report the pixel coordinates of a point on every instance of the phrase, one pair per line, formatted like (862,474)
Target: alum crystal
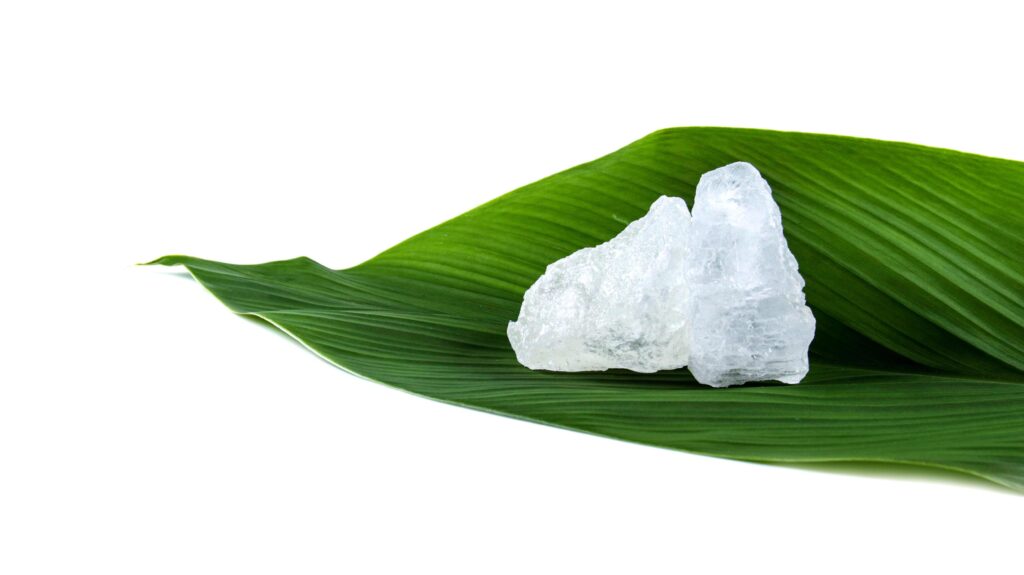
(722,294)
(749,321)
(620,304)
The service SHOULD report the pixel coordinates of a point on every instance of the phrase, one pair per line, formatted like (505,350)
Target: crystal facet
(749,320)
(722,293)
(621,304)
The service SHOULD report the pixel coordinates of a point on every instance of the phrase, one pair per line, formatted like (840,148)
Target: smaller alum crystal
(620,304)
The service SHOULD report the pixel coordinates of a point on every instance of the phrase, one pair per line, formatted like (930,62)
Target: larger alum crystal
(621,304)
(748,317)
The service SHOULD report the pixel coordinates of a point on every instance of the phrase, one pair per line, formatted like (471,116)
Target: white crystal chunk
(621,304)
(749,320)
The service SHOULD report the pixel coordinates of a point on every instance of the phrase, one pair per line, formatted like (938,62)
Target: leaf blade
(909,255)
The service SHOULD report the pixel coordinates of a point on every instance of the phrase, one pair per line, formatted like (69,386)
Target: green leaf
(912,257)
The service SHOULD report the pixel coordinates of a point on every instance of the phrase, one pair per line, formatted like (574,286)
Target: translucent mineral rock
(747,312)
(621,304)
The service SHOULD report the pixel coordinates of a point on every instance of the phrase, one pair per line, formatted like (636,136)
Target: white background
(145,429)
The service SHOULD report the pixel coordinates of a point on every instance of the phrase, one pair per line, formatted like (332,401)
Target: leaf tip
(171,260)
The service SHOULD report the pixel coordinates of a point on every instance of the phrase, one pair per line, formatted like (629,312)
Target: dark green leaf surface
(913,264)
